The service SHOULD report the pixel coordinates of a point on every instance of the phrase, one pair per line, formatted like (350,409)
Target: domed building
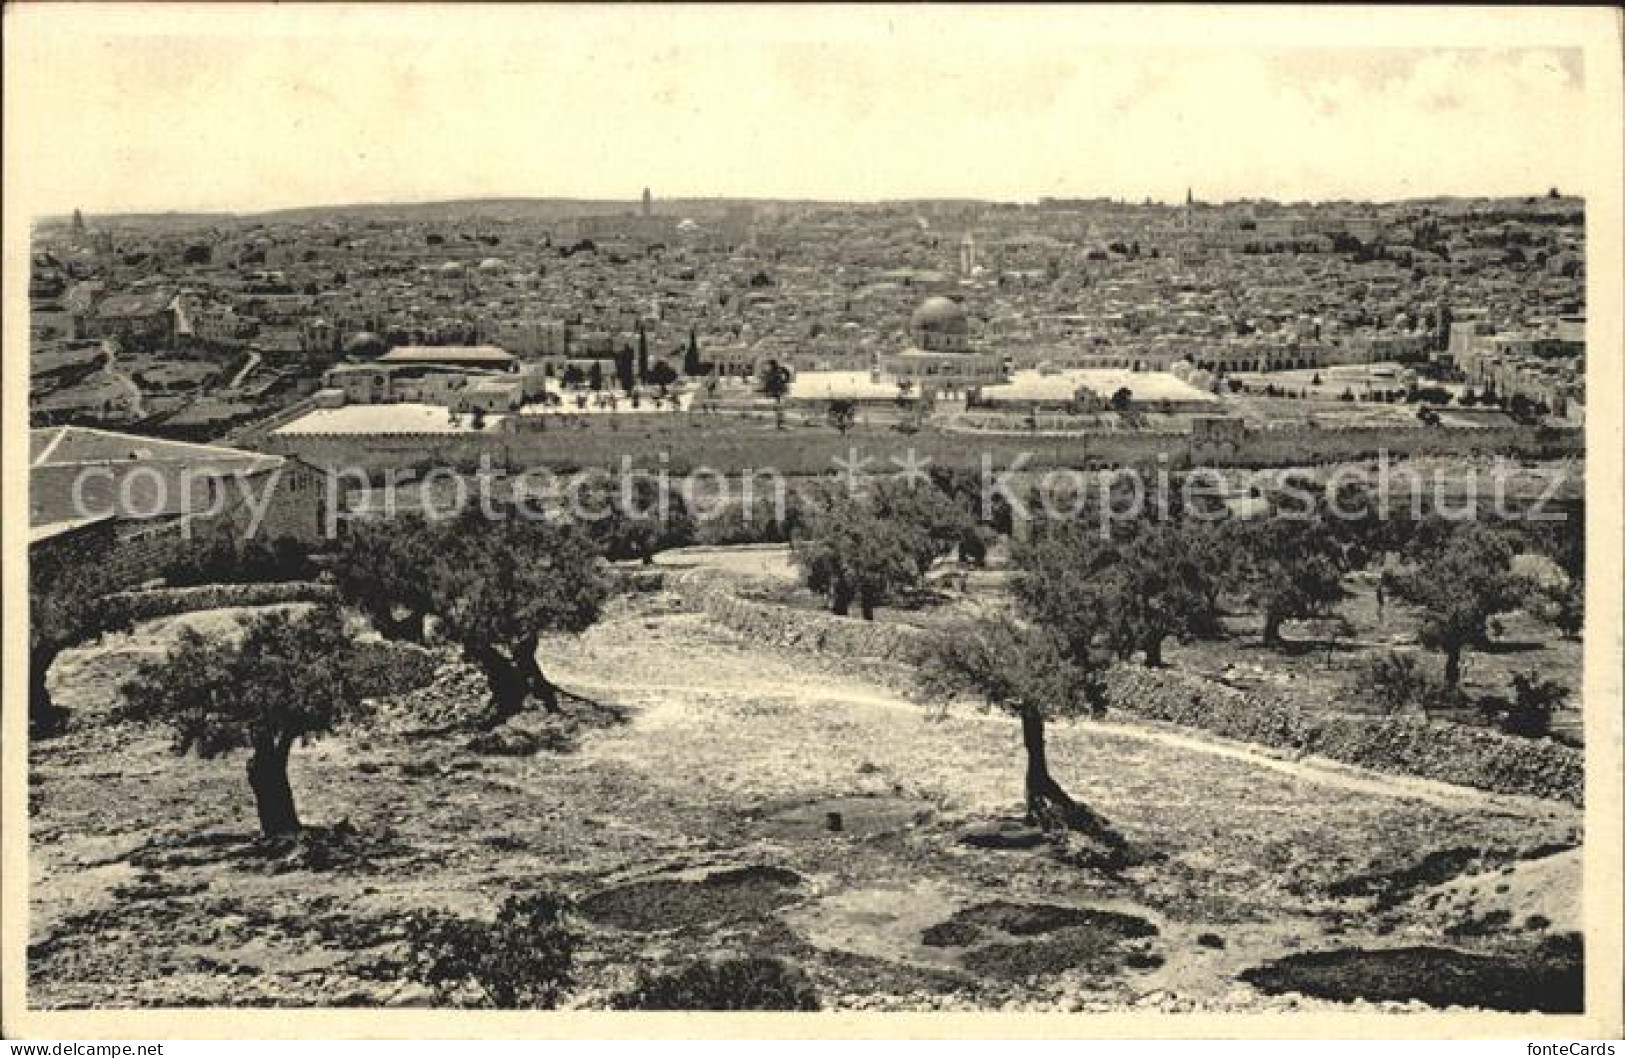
(940,359)
(365,345)
(939,326)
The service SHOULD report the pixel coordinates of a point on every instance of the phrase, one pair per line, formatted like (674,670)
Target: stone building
(139,501)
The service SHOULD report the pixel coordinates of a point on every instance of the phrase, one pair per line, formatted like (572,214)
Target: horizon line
(634,203)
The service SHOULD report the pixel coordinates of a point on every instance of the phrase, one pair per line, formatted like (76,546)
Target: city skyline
(875,105)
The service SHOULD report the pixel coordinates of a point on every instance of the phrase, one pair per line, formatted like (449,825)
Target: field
(698,817)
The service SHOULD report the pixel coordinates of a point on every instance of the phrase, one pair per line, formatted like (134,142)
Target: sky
(242,108)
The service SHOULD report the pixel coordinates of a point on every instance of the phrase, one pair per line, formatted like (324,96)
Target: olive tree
(495,581)
(381,570)
(843,415)
(1130,593)
(932,522)
(501,583)
(1291,569)
(1458,586)
(851,554)
(286,679)
(1395,681)
(639,518)
(1031,673)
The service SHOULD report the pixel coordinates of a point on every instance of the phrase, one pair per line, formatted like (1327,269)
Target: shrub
(1534,700)
(222,559)
(523,960)
(384,669)
(732,984)
(1397,681)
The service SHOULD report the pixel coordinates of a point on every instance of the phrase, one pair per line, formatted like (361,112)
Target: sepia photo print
(838,511)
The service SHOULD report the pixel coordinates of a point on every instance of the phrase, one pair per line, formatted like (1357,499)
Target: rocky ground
(695,812)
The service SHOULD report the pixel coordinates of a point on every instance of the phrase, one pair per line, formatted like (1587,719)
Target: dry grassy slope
(143,894)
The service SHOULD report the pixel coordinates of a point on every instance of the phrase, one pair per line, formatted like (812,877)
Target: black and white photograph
(840,511)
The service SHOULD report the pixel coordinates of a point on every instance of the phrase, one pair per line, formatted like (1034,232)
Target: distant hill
(553,209)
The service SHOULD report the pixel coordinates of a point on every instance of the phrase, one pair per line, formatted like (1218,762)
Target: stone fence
(787,627)
(122,607)
(1408,745)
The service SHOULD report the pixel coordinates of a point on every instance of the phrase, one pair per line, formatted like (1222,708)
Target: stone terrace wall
(1446,752)
(785,626)
(124,606)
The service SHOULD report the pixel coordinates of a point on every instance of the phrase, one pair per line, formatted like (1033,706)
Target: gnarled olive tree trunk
(514,677)
(45,717)
(1048,805)
(273,794)
(1272,628)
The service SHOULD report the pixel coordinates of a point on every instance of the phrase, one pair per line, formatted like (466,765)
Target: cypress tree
(691,355)
(623,369)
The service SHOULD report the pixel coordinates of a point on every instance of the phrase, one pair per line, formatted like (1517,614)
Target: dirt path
(253,361)
(138,404)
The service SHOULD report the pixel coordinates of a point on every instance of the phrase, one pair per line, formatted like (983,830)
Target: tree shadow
(921,599)
(1511,646)
(315,847)
(1298,648)
(535,731)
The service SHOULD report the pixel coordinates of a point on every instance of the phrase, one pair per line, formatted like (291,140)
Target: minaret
(967,254)
(78,223)
(648,204)
(1190,200)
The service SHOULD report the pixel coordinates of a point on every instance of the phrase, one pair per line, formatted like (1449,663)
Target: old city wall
(728,449)
(253,434)
(732,449)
